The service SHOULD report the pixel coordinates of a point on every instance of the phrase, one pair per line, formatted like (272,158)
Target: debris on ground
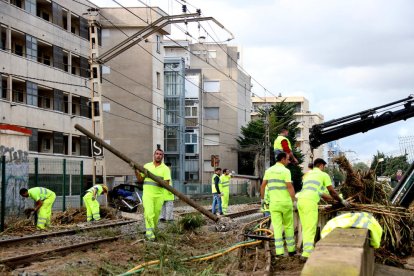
(372,196)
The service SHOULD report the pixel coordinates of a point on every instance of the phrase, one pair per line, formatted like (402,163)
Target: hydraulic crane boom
(361,122)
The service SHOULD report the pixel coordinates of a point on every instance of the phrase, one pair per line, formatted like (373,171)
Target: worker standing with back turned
(315,182)
(91,204)
(153,194)
(282,144)
(282,196)
(44,199)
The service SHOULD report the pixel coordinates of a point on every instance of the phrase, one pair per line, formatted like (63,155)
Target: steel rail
(27,258)
(65,232)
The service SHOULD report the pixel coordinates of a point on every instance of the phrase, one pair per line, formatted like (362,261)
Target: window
(158,44)
(212,54)
(211,113)
(158,80)
(58,142)
(58,100)
(46,145)
(30,6)
(212,86)
(31,47)
(57,14)
(211,139)
(158,115)
(192,83)
(58,57)
(83,28)
(32,93)
(33,140)
(3,88)
(106,107)
(191,142)
(84,67)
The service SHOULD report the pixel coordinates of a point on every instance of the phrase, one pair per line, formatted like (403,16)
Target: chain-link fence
(237,187)
(64,177)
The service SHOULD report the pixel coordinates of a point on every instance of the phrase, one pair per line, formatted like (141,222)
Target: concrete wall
(342,252)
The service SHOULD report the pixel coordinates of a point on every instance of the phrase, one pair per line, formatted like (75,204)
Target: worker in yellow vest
(91,204)
(315,184)
(356,220)
(215,189)
(44,199)
(225,189)
(282,144)
(167,211)
(153,194)
(282,196)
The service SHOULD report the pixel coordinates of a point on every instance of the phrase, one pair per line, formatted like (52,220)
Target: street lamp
(380,160)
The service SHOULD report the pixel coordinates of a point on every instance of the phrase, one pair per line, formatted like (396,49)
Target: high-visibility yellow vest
(356,220)
(314,185)
(224,182)
(150,186)
(98,189)
(39,193)
(276,177)
(213,185)
(278,143)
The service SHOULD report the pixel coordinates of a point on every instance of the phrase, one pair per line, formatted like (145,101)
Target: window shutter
(58,100)
(85,146)
(34,140)
(84,67)
(99,36)
(84,28)
(57,142)
(84,108)
(58,57)
(57,14)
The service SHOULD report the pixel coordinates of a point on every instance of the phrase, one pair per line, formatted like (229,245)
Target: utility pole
(96,92)
(267,138)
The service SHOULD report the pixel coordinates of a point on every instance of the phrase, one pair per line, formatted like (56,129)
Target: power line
(45,80)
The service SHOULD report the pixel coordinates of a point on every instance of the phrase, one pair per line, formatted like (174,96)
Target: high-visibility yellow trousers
(152,208)
(225,194)
(282,218)
(308,214)
(92,207)
(45,212)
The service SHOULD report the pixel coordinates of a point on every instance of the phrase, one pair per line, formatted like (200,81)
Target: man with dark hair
(215,189)
(44,199)
(167,212)
(153,194)
(282,144)
(315,182)
(281,196)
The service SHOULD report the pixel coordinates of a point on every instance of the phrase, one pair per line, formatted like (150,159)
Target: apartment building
(44,49)
(217,105)
(133,90)
(303,116)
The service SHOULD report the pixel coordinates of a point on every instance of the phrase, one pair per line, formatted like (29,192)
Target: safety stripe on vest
(277,188)
(358,220)
(308,250)
(275,181)
(279,246)
(225,182)
(151,183)
(368,222)
(289,238)
(312,182)
(225,185)
(279,240)
(290,243)
(309,188)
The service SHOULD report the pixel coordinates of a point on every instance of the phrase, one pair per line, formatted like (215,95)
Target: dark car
(125,197)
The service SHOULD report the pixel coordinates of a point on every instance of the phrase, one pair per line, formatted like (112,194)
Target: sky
(344,56)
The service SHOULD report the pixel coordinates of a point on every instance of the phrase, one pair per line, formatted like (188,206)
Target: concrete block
(342,252)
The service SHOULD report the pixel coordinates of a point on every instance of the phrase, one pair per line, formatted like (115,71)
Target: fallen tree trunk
(157,179)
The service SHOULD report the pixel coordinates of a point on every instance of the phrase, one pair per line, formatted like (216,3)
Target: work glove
(262,203)
(32,213)
(345,203)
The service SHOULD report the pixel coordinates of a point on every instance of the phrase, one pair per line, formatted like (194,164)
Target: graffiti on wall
(17,177)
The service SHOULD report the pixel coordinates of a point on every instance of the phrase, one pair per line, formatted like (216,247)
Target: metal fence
(237,187)
(64,177)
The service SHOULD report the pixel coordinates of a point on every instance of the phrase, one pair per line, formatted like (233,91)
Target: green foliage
(336,174)
(390,165)
(252,139)
(192,221)
(360,166)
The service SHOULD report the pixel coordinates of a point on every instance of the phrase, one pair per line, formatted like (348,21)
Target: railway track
(11,241)
(25,259)
(243,213)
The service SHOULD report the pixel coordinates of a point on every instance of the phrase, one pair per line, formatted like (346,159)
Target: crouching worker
(92,205)
(44,199)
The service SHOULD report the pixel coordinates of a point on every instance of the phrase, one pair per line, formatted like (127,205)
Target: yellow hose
(227,251)
(144,265)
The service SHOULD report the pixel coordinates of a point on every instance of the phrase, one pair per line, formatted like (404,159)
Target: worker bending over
(225,189)
(91,204)
(282,196)
(315,182)
(153,194)
(44,199)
